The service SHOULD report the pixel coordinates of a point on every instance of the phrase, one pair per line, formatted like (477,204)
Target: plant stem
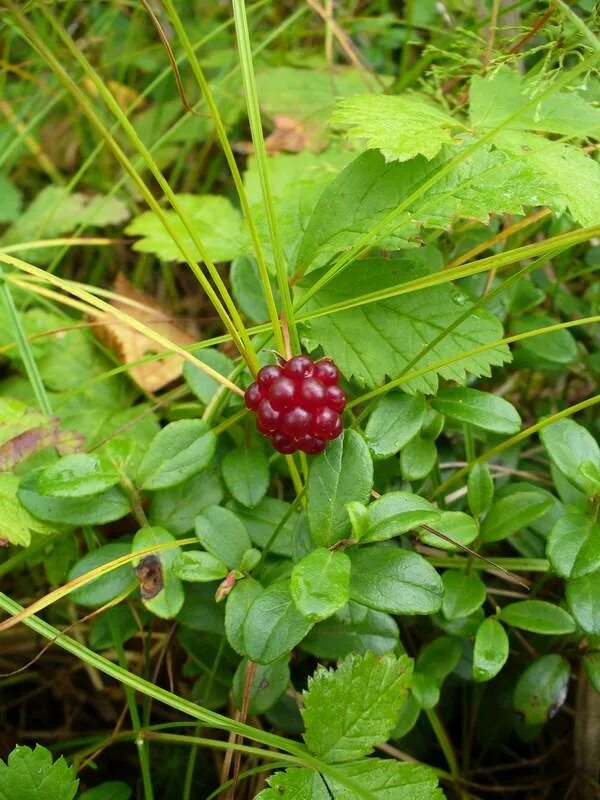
(254,118)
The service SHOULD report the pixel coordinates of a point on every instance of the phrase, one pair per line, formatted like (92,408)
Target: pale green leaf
(350,710)
(16,523)
(31,775)
(400,126)
(320,583)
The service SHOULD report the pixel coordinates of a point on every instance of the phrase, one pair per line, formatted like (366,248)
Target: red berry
(253,396)
(299,367)
(284,444)
(298,404)
(295,422)
(267,416)
(335,398)
(327,372)
(312,394)
(326,424)
(267,375)
(282,393)
(312,445)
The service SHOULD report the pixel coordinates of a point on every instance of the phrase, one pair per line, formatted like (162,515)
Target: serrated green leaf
(583,598)
(542,689)
(512,513)
(341,474)
(368,190)
(463,594)
(105,507)
(179,451)
(273,626)
(383,779)
(567,178)
(396,420)
(538,616)
(198,566)
(320,583)
(491,650)
(394,514)
(77,475)
(269,682)
(223,534)
(16,523)
(31,775)
(482,409)
(350,710)
(400,126)
(494,98)
(377,340)
(394,580)
(568,444)
(246,475)
(217,223)
(167,603)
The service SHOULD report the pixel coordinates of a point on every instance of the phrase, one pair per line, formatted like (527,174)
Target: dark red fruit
(327,372)
(298,405)
(312,445)
(282,393)
(267,416)
(335,398)
(299,367)
(253,397)
(295,422)
(284,444)
(267,375)
(327,424)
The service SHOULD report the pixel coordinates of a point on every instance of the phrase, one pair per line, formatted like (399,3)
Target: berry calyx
(298,404)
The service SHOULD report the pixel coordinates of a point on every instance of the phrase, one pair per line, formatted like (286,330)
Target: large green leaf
(246,474)
(378,340)
(78,475)
(396,420)
(400,126)
(514,512)
(368,190)
(538,616)
(223,534)
(394,580)
(583,597)
(31,775)
(394,514)
(464,593)
(569,445)
(491,650)
(341,474)
(350,710)
(573,547)
(105,588)
(217,223)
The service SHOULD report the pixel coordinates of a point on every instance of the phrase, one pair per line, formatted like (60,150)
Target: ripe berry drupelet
(298,405)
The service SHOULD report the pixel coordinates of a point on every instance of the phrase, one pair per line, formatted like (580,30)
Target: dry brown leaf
(129,345)
(290,135)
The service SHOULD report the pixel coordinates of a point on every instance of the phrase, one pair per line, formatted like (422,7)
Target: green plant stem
(140,741)
(233,168)
(234,324)
(254,118)
(24,348)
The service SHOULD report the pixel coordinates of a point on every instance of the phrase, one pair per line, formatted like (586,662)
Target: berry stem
(287,347)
